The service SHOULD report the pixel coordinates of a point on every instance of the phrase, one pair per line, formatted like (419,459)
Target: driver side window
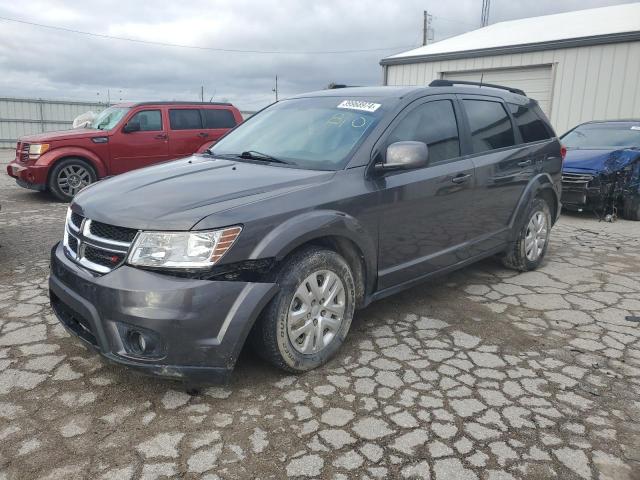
(149,120)
(433,123)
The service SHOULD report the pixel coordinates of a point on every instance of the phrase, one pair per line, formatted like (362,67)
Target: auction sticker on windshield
(359,105)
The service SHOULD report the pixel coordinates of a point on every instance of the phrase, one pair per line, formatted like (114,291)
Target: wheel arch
(331,229)
(540,186)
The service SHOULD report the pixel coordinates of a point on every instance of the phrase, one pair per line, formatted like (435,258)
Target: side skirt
(405,285)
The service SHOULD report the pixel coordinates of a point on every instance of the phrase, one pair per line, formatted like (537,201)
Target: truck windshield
(603,136)
(109,118)
(314,133)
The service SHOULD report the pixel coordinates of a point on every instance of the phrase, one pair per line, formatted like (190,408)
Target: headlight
(37,149)
(182,249)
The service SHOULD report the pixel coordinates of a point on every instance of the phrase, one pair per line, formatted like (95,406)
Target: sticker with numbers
(359,105)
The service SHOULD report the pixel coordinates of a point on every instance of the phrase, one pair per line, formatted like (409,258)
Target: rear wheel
(308,320)
(530,246)
(631,208)
(69,176)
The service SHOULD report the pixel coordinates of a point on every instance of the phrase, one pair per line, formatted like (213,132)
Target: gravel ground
(483,374)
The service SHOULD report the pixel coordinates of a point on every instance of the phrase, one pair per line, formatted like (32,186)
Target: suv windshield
(603,136)
(314,133)
(109,118)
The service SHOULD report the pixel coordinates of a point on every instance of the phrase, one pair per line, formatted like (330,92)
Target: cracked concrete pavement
(481,375)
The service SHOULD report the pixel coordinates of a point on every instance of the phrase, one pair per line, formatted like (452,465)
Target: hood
(62,135)
(599,161)
(178,194)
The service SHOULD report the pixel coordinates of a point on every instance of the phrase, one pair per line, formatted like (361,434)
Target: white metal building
(581,65)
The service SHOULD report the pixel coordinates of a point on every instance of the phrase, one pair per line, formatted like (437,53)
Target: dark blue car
(601,171)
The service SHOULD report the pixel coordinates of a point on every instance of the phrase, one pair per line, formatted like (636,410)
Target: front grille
(73,244)
(119,234)
(22,152)
(576,179)
(102,257)
(76,220)
(95,245)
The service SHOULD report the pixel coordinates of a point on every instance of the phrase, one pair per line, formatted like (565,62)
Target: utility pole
(275,90)
(202,93)
(486,5)
(427,31)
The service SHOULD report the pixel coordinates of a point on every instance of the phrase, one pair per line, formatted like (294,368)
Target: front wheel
(306,323)
(68,177)
(631,208)
(530,245)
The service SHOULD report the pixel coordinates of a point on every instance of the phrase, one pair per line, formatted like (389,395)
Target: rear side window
(531,126)
(185,119)
(490,125)
(149,120)
(218,118)
(433,123)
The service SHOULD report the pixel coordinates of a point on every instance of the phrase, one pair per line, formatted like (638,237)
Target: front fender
(309,226)
(52,156)
(541,182)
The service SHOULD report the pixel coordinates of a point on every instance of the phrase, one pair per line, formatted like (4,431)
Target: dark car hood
(176,195)
(62,135)
(599,161)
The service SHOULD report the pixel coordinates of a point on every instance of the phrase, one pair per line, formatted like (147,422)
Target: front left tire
(306,323)
(68,177)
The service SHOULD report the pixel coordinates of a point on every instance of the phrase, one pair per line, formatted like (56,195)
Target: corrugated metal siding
(588,83)
(25,116)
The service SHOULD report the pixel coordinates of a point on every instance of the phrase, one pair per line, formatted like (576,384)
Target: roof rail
(451,83)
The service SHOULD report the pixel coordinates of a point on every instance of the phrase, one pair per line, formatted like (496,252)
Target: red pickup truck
(121,138)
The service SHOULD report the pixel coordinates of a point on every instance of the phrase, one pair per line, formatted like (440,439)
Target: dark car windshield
(315,133)
(603,136)
(109,118)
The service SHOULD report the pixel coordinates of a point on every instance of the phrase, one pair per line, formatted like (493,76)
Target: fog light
(140,342)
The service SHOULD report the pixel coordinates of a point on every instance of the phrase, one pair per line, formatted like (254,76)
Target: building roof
(562,30)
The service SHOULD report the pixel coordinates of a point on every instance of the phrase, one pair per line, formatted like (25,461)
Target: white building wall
(596,82)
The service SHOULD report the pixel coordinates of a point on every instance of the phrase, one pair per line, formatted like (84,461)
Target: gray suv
(316,206)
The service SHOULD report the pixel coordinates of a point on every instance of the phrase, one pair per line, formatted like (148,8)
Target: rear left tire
(528,249)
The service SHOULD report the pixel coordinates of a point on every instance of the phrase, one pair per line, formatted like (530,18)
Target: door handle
(525,163)
(203,134)
(161,136)
(461,178)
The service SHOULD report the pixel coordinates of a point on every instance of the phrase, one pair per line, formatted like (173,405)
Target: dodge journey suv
(313,208)
(121,138)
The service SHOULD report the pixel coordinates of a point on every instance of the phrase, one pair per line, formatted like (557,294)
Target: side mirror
(131,127)
(405,156)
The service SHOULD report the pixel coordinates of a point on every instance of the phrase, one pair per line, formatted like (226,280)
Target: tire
(521,254)
(271,336)
(631,208)
(68,177)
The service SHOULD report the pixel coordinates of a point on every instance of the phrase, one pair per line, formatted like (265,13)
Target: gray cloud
(52,64)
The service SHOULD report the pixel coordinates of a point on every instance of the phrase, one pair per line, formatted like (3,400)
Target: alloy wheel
(72,179)
(316,312)
(536,236)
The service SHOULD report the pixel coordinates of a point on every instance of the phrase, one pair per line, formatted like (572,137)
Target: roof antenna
(481,77)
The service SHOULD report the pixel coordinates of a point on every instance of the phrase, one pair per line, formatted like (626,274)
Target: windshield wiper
(255,155)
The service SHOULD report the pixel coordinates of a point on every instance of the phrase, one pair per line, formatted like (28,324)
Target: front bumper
(200,325)
(33,177)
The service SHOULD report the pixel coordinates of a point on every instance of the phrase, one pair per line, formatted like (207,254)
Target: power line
(196,47)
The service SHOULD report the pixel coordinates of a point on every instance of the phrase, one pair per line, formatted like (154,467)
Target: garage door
(534,81)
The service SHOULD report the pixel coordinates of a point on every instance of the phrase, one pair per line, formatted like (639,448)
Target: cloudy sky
(56,64)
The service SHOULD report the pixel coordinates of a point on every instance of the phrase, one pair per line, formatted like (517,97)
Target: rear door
(217,121)
(138,149)
(503,168)
(425,213)
(187,131)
